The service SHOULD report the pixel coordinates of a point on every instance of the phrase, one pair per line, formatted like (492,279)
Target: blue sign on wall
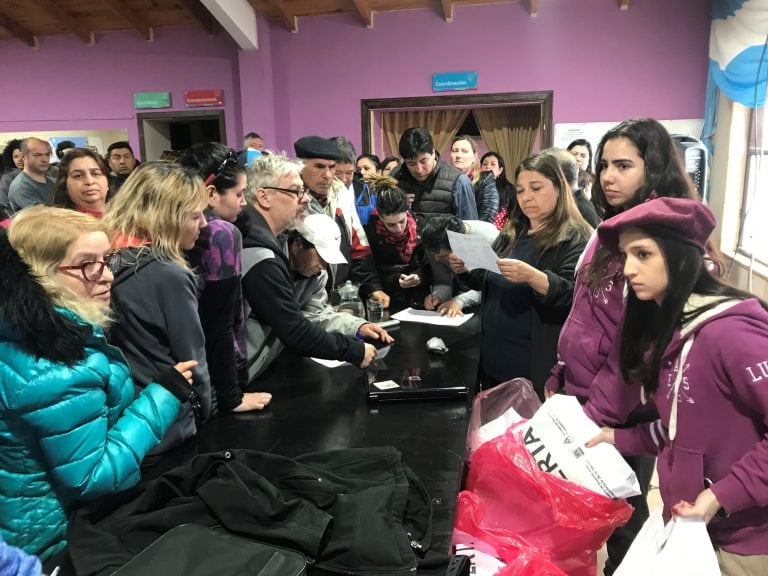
(445,81)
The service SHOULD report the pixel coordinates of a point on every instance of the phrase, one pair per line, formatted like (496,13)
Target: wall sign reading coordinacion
(445,81)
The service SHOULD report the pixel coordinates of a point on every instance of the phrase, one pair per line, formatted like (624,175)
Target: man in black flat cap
(331,197)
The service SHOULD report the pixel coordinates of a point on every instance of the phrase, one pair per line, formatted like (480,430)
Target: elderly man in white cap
(311,247)
(274,312)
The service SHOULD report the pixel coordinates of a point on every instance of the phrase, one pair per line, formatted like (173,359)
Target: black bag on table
(194,550)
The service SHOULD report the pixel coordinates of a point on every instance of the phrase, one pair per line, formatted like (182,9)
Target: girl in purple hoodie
(634,161)
(699,349)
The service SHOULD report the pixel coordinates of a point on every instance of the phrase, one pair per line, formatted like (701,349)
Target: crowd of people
(141,299)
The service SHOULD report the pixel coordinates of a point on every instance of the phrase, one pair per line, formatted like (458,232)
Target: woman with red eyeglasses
(70,426)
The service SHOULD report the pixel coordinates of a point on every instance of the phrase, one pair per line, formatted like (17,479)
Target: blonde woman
(70,426)
(157,215)
(464,158)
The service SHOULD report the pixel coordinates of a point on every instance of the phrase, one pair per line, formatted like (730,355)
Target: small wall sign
(143,100)
(196,98)
(446,81)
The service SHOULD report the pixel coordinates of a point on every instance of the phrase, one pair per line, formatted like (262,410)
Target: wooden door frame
(544,99)
(215,114)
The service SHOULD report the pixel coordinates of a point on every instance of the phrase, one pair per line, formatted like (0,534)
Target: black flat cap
(316,147)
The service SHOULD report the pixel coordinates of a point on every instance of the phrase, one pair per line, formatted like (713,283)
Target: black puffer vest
(435,194)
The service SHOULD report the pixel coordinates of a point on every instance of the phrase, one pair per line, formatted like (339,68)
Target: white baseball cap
(323,233)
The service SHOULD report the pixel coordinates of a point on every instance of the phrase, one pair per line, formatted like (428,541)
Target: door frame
(171,115)
(543,98)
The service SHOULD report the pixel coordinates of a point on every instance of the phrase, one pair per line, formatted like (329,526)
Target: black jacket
(586,208)
(549,310)
(351,511)
(271,304)
(389,266)
(486,197)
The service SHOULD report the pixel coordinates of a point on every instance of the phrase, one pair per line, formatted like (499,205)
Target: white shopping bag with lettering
(556,436)
(681,548)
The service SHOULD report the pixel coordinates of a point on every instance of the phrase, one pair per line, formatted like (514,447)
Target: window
(753,240)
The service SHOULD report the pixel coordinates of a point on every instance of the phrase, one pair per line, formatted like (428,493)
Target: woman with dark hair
(388,164)
(393,237)
(365,198)
(493,162)
(464,157)
(82,182)
(635,161)
(582,151)
(13,162)
(216,260)
(368,164)
(524,306)
(697,348)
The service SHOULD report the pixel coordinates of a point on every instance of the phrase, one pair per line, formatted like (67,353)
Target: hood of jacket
(719,307)
(29,317)
(257,234)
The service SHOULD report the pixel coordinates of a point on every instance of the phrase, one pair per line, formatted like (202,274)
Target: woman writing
(525,305)
(70,425)
(697,348)
(156,216)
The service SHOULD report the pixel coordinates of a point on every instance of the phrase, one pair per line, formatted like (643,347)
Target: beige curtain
(510,131)
(442,124)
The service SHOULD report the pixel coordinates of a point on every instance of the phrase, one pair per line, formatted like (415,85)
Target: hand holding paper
(474,251)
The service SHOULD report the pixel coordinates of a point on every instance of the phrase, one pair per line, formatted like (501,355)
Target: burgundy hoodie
(714,420)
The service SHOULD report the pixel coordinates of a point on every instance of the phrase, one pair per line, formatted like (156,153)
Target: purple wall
(603,64)
(67,84)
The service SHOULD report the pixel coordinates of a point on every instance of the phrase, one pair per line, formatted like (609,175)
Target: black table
(315,408)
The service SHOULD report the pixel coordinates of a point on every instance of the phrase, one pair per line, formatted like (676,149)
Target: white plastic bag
(556,436)
(681,548)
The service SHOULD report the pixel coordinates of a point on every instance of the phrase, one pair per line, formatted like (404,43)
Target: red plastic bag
(491,404)
(531,518)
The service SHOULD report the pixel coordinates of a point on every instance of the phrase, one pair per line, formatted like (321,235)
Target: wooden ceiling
(28,20)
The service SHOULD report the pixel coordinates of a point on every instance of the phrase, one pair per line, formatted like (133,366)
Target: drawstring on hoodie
(676,387)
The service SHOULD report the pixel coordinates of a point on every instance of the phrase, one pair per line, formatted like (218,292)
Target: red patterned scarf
(405,243)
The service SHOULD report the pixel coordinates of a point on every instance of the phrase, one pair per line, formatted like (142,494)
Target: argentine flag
(738,54)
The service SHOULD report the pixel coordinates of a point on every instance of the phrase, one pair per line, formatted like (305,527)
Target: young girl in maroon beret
(699,349)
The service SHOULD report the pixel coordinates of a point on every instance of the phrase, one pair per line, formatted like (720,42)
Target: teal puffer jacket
(68,433)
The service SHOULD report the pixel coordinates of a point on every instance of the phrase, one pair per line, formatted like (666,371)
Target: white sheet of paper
(328,363)
(430,317)
(474,250)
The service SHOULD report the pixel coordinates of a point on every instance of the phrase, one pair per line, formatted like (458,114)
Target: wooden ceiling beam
(201,15)
(67,20)
(448,10)
(18,31)
(131,17)
(364,9)
(288,17)
(624,4)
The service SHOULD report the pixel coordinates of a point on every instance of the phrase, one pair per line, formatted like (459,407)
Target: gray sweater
(158,326)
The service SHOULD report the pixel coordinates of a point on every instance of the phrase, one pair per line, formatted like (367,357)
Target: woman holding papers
(699,350)
(526,303)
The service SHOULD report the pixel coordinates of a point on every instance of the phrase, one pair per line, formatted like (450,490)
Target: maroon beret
(687,220)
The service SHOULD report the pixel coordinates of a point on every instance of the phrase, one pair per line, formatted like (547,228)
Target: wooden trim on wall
(544,99)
